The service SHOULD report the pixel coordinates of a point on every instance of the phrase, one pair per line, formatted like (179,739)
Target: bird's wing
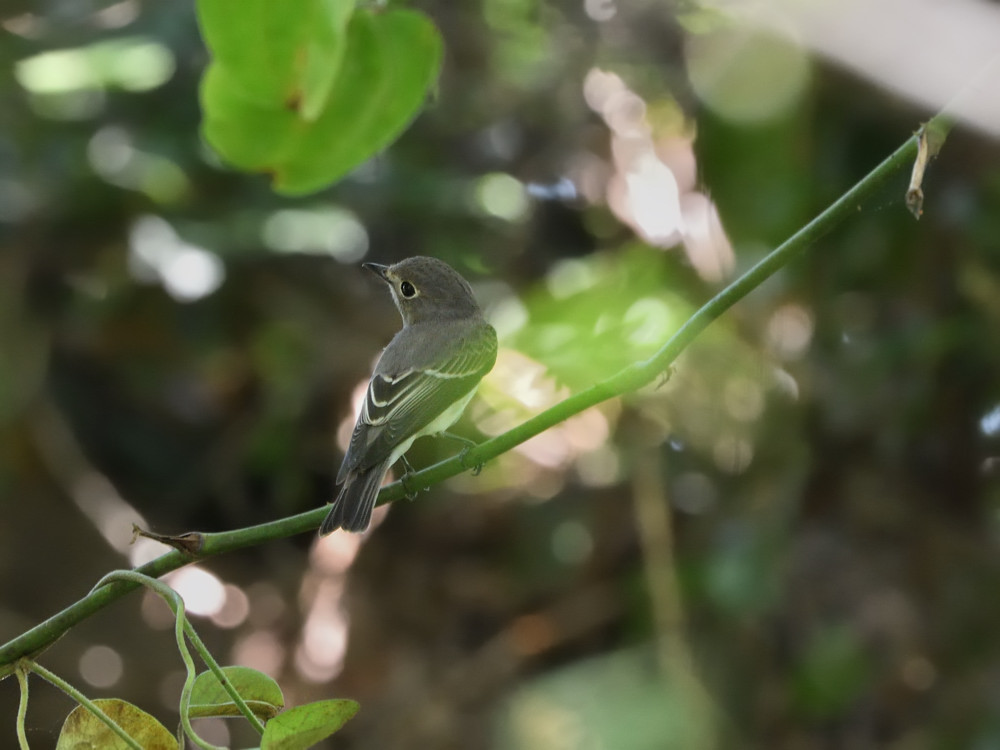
(399,405)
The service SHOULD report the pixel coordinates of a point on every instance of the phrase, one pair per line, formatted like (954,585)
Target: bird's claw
(469,445)
(476,468)
(411,494)
(665,376)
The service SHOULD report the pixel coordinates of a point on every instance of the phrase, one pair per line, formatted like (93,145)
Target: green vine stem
(176,604)
(629,379)
(183,627)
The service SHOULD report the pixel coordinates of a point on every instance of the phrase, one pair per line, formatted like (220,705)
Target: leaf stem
(23,667)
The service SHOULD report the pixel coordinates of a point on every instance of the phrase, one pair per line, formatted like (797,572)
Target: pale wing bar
(402,405)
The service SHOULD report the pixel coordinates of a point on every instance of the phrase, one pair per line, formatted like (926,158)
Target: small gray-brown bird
(422,382)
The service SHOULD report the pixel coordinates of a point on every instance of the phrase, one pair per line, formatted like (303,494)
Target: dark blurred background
(790,543)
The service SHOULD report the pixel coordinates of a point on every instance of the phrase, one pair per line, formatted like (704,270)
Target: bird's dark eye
(407,289)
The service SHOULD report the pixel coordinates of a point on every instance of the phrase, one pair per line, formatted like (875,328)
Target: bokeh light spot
(203,593)
(144,550)
(261,650)
(500,195)
(570,276)
(235,608)
(650,321)
(600,467)
(572,542)
(131,63)
(508,316)
(186,271)
(155,612)
(323,231)
(600,10)
(192,273)
(989,425)
(694,493)
(790,330)
(747,75)
(117,161)
(744,399)
(101,666)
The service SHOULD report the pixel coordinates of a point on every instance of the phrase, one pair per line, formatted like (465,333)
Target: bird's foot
(469,445)
(665,377)
(411,494)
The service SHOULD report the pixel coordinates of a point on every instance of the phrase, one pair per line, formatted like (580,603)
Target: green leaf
(597,314)
(308,96)
(261,693)
(246,133)
(274,53)
(304,726)
(82,730)
(323,56)
(391,62)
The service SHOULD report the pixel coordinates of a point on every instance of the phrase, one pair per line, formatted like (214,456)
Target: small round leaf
(261,693)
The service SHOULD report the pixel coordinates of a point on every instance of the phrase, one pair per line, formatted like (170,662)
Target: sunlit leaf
(261,693)
(308,96)
(272,53)
(304,726)
(595,316)
(391,62)
(83,730)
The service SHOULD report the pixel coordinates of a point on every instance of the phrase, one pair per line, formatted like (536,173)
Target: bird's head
(427,289)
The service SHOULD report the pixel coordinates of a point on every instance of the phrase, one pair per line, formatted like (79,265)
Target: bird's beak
(378,269)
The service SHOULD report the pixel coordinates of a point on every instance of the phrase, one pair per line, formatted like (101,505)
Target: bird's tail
(352,510)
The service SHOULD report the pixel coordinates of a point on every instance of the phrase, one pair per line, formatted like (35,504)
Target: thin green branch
(629,379)
(182,628)
(639,374)
(84,701)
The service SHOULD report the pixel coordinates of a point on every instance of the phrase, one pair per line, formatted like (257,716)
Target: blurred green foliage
(612,701)
(598,314)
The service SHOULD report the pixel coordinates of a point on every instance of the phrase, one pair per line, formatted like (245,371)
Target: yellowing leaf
(82,730)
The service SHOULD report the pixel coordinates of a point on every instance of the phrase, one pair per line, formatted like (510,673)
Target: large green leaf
(308,92)
(278,52)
